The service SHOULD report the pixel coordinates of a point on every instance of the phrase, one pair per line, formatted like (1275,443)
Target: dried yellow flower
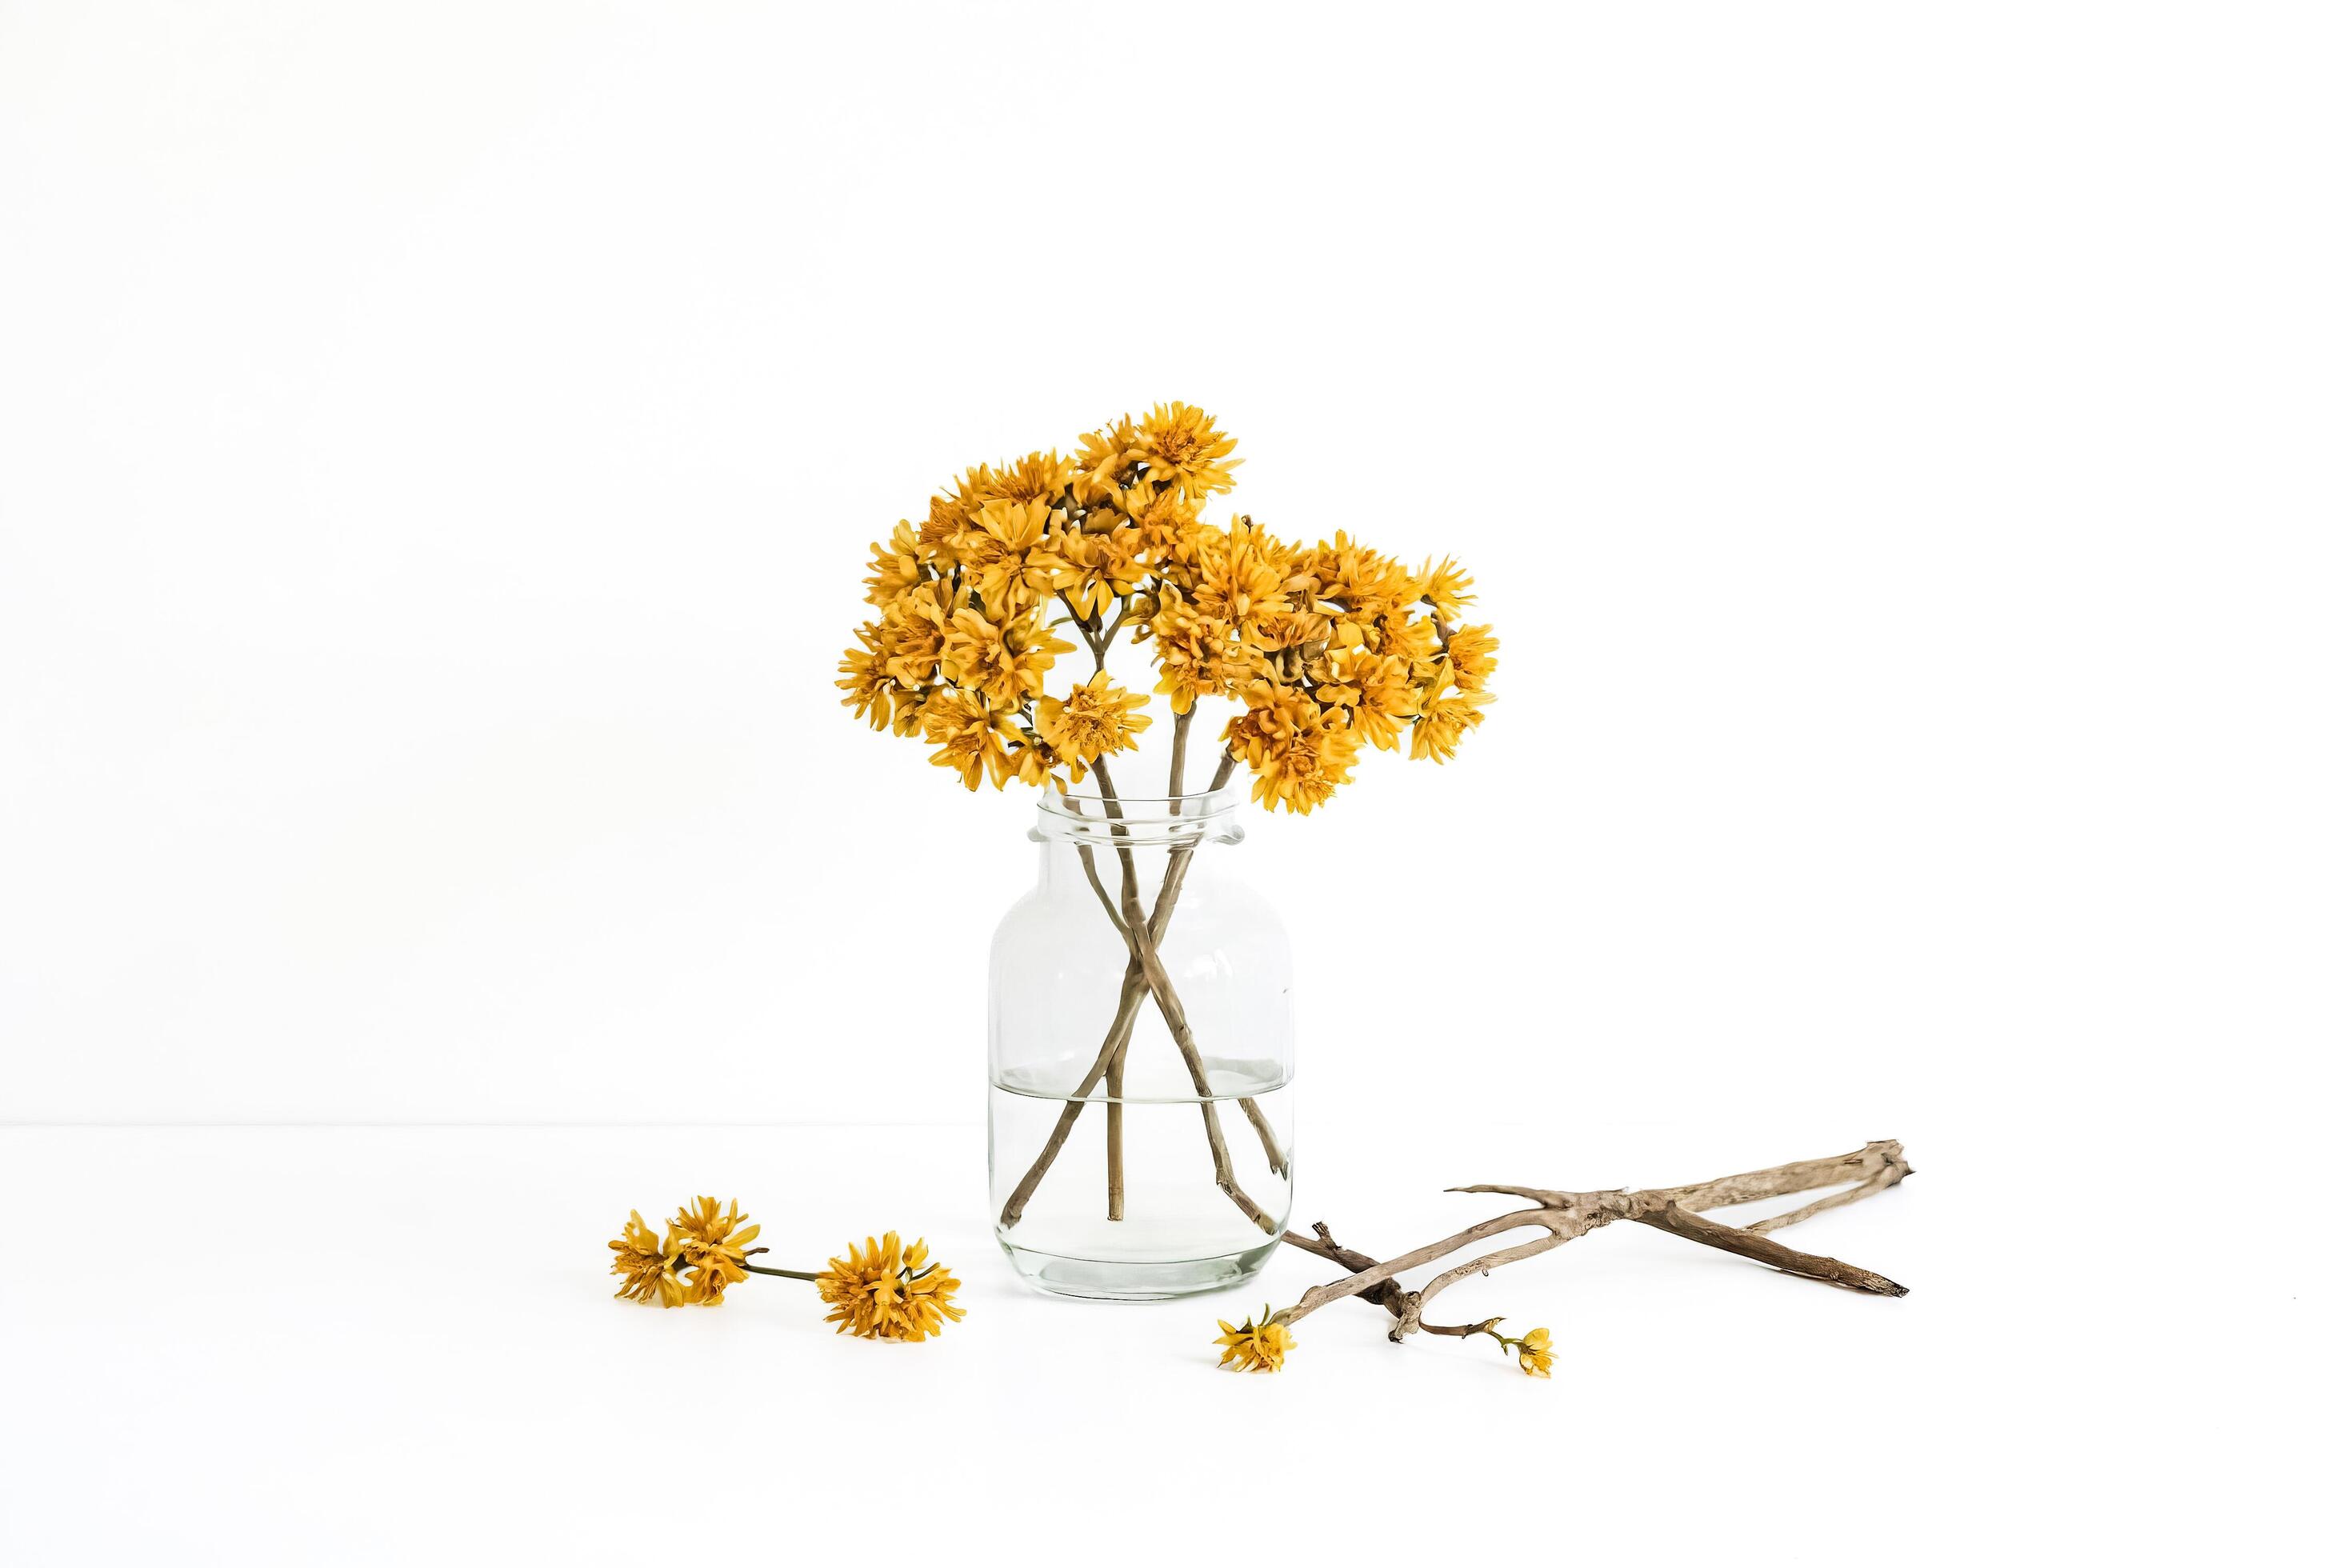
(711,1246)
(1443,721)
(1447,588)
(1535,1352)
(1326,646)
(1180,445)
(880,1292)
(1095,718)
(648,1264)
(1255,1347)
(1299,750)
(970,737)
(1472,653)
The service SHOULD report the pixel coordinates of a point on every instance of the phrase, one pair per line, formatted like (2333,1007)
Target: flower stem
(779,1273)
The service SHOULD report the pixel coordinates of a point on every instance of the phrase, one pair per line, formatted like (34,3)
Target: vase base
(1122,1280)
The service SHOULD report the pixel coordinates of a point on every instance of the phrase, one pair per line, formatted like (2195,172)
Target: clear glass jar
(1139,1095)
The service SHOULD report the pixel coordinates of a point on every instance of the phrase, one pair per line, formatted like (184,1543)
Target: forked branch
(1563,1216)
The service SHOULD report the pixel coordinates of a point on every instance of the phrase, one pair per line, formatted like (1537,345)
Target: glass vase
(1139,1055)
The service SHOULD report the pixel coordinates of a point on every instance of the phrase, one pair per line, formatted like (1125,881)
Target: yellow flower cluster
(883,1293)
(692,1264)
(1325,647)
(1255,1347)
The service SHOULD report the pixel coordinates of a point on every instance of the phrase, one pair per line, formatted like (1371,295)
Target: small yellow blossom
(1180,445)
(1443,721)
(1298,752)
(897,565)
(1447,588)
(1005,664)
(880,1292)
(1472,653)
(1095,718)
(865,676)
(1535,1352)
(711,1244)
(648,1264)
(1255,1347)
(1375,689)
(972,738)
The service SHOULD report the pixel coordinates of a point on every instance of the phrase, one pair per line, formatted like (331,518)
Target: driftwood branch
(1563,1216)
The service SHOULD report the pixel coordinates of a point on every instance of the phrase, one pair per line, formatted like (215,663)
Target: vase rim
(1143,819)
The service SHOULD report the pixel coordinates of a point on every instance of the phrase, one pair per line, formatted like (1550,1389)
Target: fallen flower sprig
(882,1291)
(1564,1216)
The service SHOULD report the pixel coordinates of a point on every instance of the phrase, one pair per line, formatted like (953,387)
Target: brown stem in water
(1132,990)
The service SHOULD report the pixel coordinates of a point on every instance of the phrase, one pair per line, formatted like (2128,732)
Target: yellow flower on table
(711,1244)
(648,1264)
(883,1292)
(1255,1347)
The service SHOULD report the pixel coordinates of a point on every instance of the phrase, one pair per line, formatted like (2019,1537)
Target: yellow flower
(947,520)
(1004,664)
(1409,637)
(1239,580)
(1376,689)
(1443,721)
(1357,583)
(1179,445)
(1106,456)
(1006,556)
(1095,718)
(897,565)
(1535,1352)
(1255,1347)
(1298,752)
(865,676)
(1098,569)
(1472,649)
(970,736)
(1040,476)
(913,629)
(1447,588)
(1034,763)
(880,1293)
(648,1264)
(1161,514)
(711,1244)
(1198,657)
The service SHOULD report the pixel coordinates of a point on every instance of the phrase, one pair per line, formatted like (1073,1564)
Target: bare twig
(1565,1215)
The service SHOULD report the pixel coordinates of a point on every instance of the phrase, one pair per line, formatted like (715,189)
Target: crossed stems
(1564,1216)
(1146,975)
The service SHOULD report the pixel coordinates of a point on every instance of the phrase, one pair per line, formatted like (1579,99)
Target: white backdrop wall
(1902,454)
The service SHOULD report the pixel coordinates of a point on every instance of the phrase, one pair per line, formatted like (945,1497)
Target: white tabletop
(398,1345)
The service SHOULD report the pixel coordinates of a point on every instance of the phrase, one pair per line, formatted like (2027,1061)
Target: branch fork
(1562,1216)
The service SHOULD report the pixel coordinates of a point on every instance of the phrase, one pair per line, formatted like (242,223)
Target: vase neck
(1139,821)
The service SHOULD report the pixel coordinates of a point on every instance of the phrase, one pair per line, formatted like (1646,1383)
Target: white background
(1902,451)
